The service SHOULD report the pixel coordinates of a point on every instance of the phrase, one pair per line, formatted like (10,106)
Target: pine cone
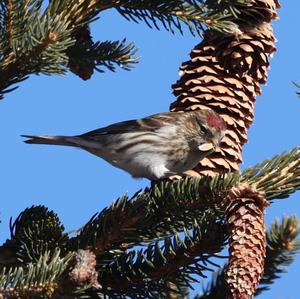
(224,74)
(245,216)
(79,63)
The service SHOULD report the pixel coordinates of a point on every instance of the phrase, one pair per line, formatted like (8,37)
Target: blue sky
(76,184)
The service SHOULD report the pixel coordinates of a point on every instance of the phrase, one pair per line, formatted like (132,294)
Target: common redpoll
(154,147)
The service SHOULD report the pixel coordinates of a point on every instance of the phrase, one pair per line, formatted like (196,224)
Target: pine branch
(85,55)
(166,208)
(169,207)
(148,272)
(108,53)
(189,255)
(34,279)
(278,177)
(197,15)
(16,15)
(216,288)
(151,215)
(282,248)
(38,43)
(33,42)
(156,214)
(35,231)
(44,42)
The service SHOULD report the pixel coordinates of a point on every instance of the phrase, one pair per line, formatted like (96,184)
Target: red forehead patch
(216,122)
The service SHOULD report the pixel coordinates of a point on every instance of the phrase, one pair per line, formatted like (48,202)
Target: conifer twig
(34,41)
(34,279)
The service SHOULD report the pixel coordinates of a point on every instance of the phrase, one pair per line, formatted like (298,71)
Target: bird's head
(210,128)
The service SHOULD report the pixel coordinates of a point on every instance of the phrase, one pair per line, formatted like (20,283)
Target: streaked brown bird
(154,147)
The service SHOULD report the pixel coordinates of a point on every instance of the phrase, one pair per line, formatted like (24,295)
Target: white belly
(151,166)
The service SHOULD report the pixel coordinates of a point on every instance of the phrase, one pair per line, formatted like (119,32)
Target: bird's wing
(147,124)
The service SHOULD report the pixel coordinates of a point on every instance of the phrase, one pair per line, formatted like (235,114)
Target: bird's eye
(204,129)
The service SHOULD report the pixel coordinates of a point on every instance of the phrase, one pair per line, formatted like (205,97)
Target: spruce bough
(162,240)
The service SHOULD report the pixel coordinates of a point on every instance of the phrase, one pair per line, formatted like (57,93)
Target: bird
(156,147)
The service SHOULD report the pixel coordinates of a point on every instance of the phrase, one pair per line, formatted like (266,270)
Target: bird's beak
(205,147)
(213,144)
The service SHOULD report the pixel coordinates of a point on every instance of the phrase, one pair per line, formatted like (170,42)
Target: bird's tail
(55,140)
